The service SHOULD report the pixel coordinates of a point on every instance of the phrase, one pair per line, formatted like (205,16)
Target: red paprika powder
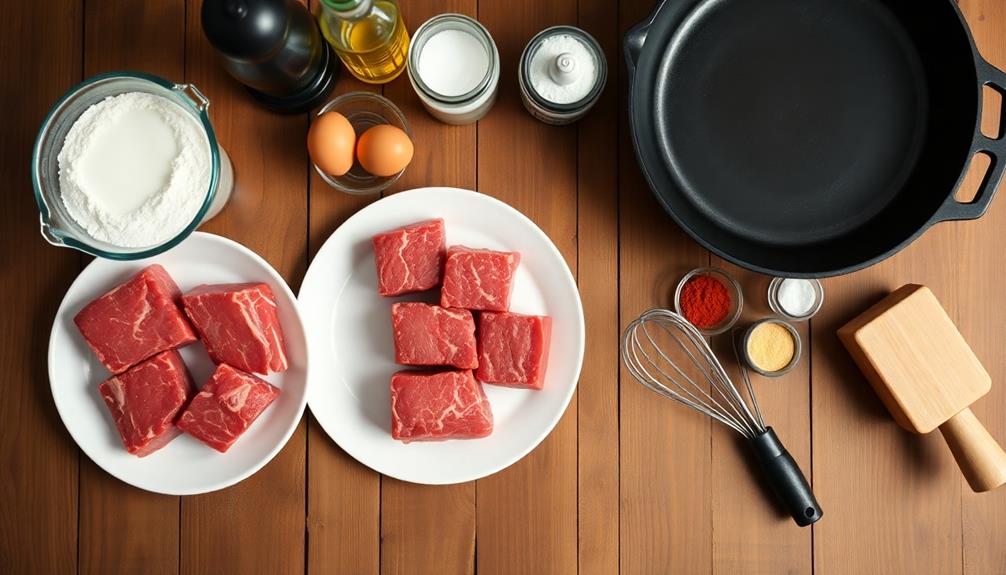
(705,301)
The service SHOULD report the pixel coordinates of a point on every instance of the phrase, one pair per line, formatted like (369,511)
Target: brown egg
(331,142)
(384,150)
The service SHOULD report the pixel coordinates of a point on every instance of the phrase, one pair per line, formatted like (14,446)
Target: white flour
(544,58)
(134,170)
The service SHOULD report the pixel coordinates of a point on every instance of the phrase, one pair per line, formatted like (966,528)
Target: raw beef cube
(226,407)
(136,320)
(239,325)
(478,279)
(432,335)
(146,400)
(444,405)
(513,349)
(411,258)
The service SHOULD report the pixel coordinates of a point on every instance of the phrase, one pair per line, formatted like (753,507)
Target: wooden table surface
(626,482)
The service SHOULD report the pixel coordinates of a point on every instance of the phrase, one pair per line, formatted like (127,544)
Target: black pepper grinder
(274,48)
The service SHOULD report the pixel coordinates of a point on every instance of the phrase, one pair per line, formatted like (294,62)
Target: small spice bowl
(753,363)
(733,289)
(778,285)
(364,110)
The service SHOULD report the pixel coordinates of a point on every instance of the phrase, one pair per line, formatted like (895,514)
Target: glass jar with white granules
(562,73)
(454,67)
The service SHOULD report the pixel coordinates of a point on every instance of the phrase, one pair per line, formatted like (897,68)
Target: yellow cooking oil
(368,35)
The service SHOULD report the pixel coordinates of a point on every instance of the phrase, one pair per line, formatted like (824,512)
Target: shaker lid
(540,68)
(244,28)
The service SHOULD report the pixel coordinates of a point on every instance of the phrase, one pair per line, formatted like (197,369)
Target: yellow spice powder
(771,347)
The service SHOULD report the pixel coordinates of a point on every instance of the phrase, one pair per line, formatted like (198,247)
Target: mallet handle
(980,457)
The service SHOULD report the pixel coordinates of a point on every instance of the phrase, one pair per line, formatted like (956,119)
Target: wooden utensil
(927,376)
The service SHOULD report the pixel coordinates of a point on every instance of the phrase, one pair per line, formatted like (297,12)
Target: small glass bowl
(736,299)
(773,299)
(364,110)
(797,352)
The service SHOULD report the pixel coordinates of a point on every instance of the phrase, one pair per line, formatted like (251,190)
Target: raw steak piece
(433,406)
(136,320)
(478,279)
(146,400)
(432,335)
(513,349)
(239,325)
(411,258)
(226,407)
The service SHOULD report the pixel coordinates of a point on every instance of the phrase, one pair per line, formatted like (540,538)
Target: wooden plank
(343,496)
(981,315)
(153,41)
(597,261)
(527,514)
(751,533)
(257,525)
(665,477)
(892,499)
(38,460)
(124,529)
(430,529)
(427,529)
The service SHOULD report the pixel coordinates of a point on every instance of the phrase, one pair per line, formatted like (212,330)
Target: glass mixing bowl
(58,228)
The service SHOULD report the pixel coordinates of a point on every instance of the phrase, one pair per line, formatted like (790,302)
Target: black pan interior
(806,135)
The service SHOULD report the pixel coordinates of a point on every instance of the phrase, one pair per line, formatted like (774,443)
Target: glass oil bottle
(368,35)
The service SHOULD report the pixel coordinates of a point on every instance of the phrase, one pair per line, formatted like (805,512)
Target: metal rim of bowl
(775,306)
(383,183)
(43,208)
(797,343)
(728,282)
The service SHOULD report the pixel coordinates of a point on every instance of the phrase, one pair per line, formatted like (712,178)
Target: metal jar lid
(546,110)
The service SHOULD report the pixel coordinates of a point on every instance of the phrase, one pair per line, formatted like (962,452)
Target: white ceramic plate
(185,466)
(352,353)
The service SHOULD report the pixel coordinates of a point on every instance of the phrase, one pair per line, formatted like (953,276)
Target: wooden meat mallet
(927,376)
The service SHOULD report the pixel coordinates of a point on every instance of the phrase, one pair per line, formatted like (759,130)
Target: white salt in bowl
(776,305)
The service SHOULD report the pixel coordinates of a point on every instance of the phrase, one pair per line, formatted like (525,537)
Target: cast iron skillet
(809,137)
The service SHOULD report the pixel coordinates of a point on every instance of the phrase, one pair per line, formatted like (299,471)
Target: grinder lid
(245,29)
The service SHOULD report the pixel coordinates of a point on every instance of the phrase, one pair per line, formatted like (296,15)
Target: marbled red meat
(136,320)
(410,258)
(513,349)
(239,325)
(226,407)
(478,279)
(433,406)
(145,401)
(431,335)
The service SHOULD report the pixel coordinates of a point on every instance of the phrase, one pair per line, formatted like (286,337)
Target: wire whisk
(668,355)
(650,365)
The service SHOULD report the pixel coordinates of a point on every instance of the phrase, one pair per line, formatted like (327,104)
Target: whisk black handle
(786,479)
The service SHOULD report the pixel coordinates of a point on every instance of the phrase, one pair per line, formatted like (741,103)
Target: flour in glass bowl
(134,170)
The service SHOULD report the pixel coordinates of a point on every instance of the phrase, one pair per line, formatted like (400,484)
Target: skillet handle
(995,148)
(636,37)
